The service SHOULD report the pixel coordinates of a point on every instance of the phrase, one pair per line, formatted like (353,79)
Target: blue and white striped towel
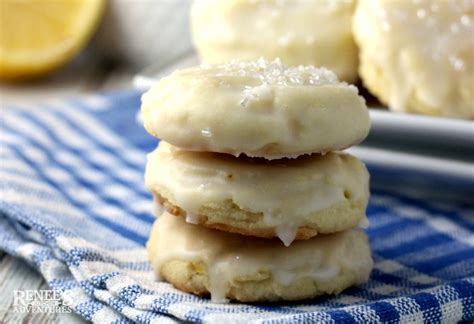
(74,206)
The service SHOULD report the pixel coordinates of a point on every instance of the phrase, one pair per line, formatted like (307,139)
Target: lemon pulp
(37,36)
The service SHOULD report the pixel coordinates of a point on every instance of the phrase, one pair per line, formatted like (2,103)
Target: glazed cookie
(296,31)
(418,56)
(260,109)
(290,198)
(229,266)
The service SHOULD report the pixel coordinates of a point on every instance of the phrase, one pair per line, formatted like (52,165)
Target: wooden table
(82,76)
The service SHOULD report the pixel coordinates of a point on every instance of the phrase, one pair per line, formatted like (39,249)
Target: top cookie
(261,109)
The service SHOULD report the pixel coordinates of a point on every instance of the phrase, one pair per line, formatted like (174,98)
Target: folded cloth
(74,206)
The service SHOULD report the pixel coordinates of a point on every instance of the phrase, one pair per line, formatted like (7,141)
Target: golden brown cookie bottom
(228,217)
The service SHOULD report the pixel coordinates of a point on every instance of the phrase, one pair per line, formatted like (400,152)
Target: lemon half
(37,36)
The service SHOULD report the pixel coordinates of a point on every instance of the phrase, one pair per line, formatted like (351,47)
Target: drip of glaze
(287,233)
(364,223)
(158,209)
(192,218)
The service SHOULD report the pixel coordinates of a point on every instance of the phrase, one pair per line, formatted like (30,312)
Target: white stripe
(77,295)
(101,182)
(451,312)
(5,152)
(424,279)
(57,207)
(9,138)
(431,253)
(17,165)
(364,313)
(88,269)
(102,134)
(143,277)
(394,267)
(124,255)
(71,137)
(144,301)
(458,233)
(67,157)
(95,102)
(381,220)
(389,266)
(29,182)
(105,160)
(27,127)
(105,315)
(26,250)
(408,310)
(404,237)
(82,195)
(119,282)
(439,223)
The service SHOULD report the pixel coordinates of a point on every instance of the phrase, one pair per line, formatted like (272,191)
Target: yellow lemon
(37,36)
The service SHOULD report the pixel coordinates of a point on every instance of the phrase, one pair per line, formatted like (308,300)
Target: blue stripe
(72,123)
(8,169)
(121,120)
(392,279)
(77,255)
(414,246)
(391,228)
(429,306)
(436,264)
(46,195)
(141,193)
(88,309)
(340,316)
(453,216)
(123,231)
(147,217)
(465,291)
(82,155)
(385,311)
(130,294)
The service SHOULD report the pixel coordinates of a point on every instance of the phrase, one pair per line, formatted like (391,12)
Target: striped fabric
(73,205)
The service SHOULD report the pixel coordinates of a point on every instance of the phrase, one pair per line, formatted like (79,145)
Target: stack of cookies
(253,203)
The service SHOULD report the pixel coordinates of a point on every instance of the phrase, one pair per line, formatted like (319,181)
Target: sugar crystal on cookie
(275,73)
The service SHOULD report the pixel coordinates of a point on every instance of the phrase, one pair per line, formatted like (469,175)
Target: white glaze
(364,223)
(285,191)
(229,256)
(258,108)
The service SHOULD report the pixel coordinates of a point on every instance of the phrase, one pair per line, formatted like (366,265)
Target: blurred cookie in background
(299,32)
(418,56)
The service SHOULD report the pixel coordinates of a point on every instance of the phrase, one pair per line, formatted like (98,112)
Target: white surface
(418,128)
(416,163)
